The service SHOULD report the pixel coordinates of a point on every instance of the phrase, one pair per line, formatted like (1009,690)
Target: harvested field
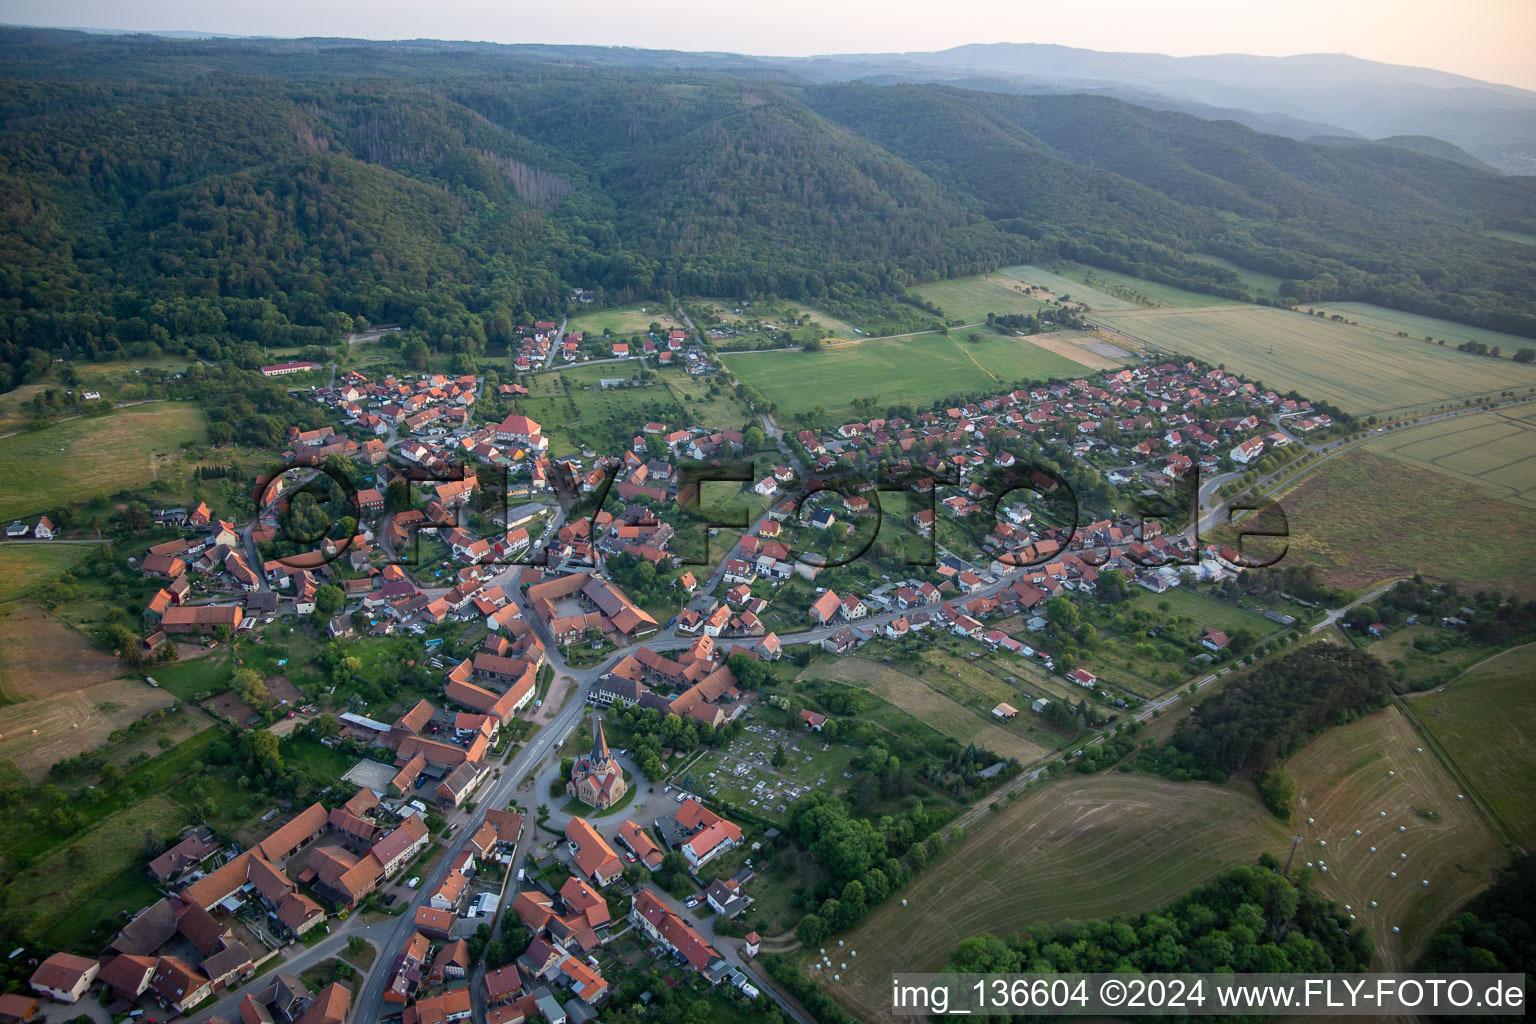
(926,704)
(1080,347)
(1359,370)
(1085,846)
(40,731)
(1373,776)
(41,656)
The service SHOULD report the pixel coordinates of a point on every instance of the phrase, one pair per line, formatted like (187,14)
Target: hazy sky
(1489,39)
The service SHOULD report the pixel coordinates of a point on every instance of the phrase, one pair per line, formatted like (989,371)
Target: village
(572,579)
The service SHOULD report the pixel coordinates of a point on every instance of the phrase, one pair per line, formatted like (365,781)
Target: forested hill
(226,195)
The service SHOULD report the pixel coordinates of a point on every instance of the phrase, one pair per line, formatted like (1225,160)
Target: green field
(89,457)
(1381,320)
(1085,846)
(1363,517)
(1059,285)
(1486,721)
(1494,450)
(1356,369)
(1258,283)
(918,370)
(970,299)
(25,567)
(628,320)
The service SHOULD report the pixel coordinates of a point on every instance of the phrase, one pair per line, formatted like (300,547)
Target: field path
(972,358)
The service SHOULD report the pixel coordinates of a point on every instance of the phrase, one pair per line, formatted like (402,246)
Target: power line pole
(1295,842)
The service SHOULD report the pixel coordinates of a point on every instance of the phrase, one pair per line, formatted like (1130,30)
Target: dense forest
(228,197)
(1269,713)
(1497,930)
(1252,919)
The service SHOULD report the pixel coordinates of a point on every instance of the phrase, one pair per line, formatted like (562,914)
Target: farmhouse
(64,977)
(202,619)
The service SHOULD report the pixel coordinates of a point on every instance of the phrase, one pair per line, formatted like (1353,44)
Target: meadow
(1362,517)
(723,411)
(576,412)
(1083,846)
(956,708)
(1376,776)
(1485,721)
(1494,450)
(93,456)
(1355,369)
(635,319)
(919,370)
(970,299)
(1390,322)
(25,567)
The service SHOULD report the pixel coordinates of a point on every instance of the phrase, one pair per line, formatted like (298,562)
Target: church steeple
(600,755)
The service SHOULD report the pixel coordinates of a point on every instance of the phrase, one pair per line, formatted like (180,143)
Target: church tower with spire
(597,780)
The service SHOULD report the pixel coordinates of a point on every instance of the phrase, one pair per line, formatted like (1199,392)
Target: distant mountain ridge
(225,195)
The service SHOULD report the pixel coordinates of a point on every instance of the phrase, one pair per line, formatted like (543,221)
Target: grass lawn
(1345,780)
(919,370)
(1495,451)
(970,299)
(1206,611)
(25,567)
(626,320)
(1363,517)
(1084,846)
(318,760)
(85,458)
(1486,722)
(1357,369)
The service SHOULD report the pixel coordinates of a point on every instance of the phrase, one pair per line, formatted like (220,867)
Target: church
(597,780)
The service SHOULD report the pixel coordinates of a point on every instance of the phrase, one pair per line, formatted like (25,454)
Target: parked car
(413,883)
